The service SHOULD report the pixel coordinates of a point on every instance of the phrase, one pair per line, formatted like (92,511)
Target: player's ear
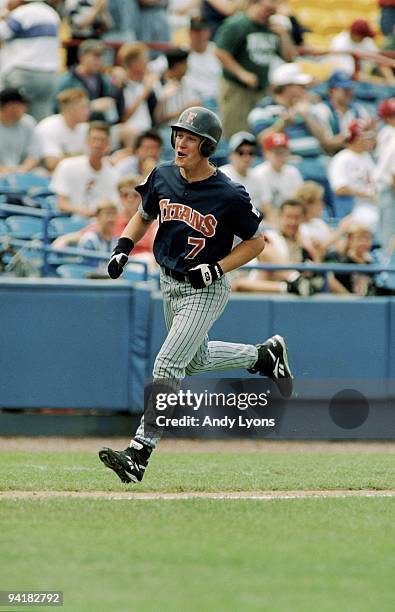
(206,147)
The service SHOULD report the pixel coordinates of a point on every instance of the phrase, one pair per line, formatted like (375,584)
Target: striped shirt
(31,37)
(77,11)
(301,140)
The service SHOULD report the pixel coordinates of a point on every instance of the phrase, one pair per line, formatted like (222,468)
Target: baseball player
(200,210)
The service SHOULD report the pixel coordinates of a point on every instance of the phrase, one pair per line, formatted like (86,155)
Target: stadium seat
(26,181)
(24,227)
(133,274)
(74,271)
(65,225)
(4,229)
(386,280)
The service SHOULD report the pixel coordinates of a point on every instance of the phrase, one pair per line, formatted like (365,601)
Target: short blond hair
(105,204)
(130,52)
(129,180)
(358,228)
(309,192)
(73,94)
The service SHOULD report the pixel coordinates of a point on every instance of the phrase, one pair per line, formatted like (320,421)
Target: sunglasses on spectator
(243,152)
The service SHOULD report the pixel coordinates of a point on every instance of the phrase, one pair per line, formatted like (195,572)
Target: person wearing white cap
(30,55)
(289,110)
(242,154)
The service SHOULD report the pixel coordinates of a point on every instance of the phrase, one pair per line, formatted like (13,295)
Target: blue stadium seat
(315,169)
(24,227)
(131,274)
(4,229)
(73,271)
(386,280)
(27,181)
(65,225)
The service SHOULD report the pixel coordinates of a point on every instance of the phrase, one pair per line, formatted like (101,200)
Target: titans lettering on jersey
(204,224)
(197,221)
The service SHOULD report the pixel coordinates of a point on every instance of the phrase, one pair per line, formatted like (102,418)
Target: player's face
(187,153)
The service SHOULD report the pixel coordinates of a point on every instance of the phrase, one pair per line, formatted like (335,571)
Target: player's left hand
(204,275)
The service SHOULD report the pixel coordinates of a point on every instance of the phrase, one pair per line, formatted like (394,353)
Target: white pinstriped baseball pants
(189,315)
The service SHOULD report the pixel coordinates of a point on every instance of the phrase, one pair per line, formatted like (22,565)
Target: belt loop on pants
(179,276)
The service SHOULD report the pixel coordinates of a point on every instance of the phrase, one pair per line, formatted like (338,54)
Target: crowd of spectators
(95,118)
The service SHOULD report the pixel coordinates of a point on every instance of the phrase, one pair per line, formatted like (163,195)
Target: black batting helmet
(202,122)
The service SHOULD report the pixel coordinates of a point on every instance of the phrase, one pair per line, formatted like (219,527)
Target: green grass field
(280,555)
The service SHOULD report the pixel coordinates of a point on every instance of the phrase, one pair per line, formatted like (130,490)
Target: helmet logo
(190,117)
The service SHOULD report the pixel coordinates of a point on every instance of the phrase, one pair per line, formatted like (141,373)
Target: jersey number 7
(198,244)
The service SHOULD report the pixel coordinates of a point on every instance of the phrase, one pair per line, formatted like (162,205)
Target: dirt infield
(135,496)
(63,444)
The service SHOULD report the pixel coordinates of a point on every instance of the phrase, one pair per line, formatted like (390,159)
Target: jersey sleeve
(149,207)
(243,218)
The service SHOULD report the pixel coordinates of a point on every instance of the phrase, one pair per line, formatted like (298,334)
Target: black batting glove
(204,275)
(119,257)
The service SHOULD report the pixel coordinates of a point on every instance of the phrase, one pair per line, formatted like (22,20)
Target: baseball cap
(240,138)
(358,128)
(198,23)
(362,27)
(91,46)
(275,141)
(386,108)
(340,79)
(289,74)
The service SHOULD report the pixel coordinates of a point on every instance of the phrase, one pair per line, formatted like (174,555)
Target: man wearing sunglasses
(242,155)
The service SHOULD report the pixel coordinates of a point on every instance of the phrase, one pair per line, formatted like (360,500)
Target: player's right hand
(119,257)
(116,265)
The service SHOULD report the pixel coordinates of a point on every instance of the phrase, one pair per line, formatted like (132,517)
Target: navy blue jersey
(197,221)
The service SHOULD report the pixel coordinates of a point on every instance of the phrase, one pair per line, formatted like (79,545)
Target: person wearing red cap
(385,172)
(359,37)
(277,181)
(350,174)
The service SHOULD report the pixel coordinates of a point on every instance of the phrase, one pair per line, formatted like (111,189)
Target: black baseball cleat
(273,362)
(129,464)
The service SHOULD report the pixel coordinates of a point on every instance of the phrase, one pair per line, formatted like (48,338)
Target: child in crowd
(275,179)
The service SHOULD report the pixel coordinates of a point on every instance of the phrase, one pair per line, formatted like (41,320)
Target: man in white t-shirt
(242,154)
(351,175)
(64,135)
(359,37)
(81,182)
(275,179)
(204,68)
(385,172)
